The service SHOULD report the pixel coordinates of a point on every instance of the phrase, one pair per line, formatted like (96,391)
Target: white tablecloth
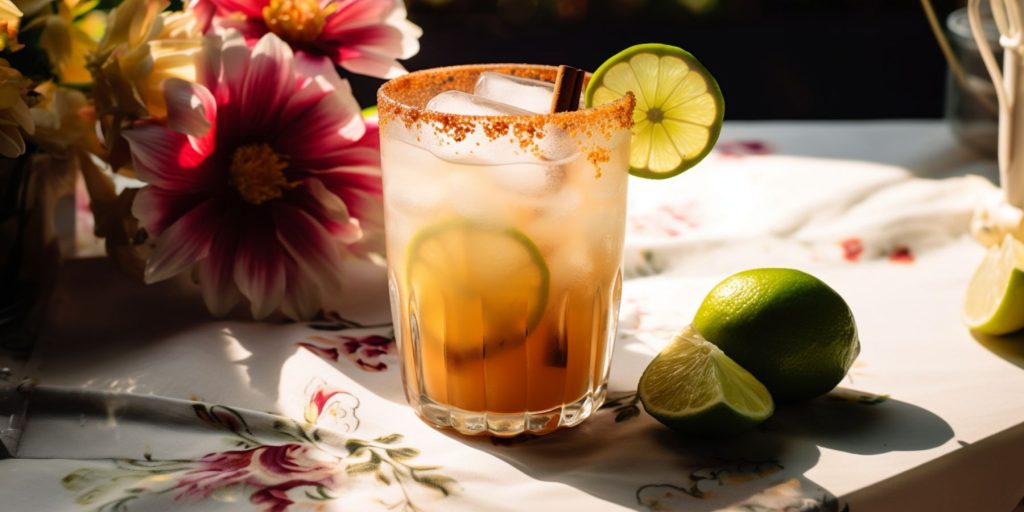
(137,400)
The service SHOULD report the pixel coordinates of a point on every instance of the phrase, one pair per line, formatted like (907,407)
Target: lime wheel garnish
(679,107)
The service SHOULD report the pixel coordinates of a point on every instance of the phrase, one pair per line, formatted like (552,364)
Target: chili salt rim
(404,99)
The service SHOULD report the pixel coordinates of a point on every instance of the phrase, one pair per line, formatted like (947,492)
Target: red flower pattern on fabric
(272,470)
(365,351)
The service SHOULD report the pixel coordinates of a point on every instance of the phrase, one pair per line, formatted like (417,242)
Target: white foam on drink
(525,93)
(463,103)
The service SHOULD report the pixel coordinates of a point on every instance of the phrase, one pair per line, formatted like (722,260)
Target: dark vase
(36,211)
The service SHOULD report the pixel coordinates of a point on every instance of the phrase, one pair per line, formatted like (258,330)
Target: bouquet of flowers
(257,172)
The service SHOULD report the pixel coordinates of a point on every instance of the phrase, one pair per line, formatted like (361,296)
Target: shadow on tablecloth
(637,463)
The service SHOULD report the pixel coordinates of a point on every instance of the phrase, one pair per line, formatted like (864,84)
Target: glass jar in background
(971,105)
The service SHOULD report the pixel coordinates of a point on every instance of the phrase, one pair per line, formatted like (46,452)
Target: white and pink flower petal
(269,83)
(364,206)
(216,275)
(233,64)
(310,245)
(157,208)
(166,158)
(183,244)
(332,122)
(328,209)
(259,269)
(191,108)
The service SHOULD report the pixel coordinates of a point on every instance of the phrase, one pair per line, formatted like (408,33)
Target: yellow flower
(15,118)
(66,41)
(143,46)
(10,17)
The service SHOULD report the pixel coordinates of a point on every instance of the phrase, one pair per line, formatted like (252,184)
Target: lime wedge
(679,106)
(694,388)
(474,282)
(370,112)
(995,295)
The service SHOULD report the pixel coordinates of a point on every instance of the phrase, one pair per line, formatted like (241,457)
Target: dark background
(774,59)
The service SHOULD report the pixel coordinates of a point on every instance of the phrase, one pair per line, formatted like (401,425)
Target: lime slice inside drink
(475,283)
(694,388)
(679,107)
(995,295)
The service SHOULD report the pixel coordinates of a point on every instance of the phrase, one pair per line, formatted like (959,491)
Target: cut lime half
(694,388)
(679,107)
(995,295)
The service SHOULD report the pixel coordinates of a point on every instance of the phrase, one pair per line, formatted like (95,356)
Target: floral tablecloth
(135,400)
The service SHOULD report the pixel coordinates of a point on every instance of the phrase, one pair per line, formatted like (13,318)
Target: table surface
(137,400)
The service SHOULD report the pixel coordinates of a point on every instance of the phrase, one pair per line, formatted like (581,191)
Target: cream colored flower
(143,46)
(15,118)
(10,17)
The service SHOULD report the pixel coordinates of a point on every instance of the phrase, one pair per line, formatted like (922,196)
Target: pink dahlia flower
(363,36)
(264,176)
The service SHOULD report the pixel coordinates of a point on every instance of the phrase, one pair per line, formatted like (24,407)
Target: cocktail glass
(504,245)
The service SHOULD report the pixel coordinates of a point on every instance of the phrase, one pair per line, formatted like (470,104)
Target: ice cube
(531,180)
(471,196)
(458,102)
(525,93)
(417,201)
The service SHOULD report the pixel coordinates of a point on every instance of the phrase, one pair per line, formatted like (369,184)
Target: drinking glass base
(508,424)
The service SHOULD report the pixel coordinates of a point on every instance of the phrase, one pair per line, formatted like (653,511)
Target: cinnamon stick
(568,86)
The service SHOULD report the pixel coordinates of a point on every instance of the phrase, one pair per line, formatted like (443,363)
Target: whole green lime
(786,327)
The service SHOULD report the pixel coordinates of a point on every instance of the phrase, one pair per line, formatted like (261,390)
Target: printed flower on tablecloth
(271,470)
(669,221)
(854,249)
(311,466)
(365,351)
(791,495)
(362,36)
(264,177)
(331,407)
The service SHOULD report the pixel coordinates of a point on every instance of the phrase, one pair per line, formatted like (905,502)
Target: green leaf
(354,445)
(362,467)
(437,482)
(321,494)
(402,453)
(322,491)
(389,439)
